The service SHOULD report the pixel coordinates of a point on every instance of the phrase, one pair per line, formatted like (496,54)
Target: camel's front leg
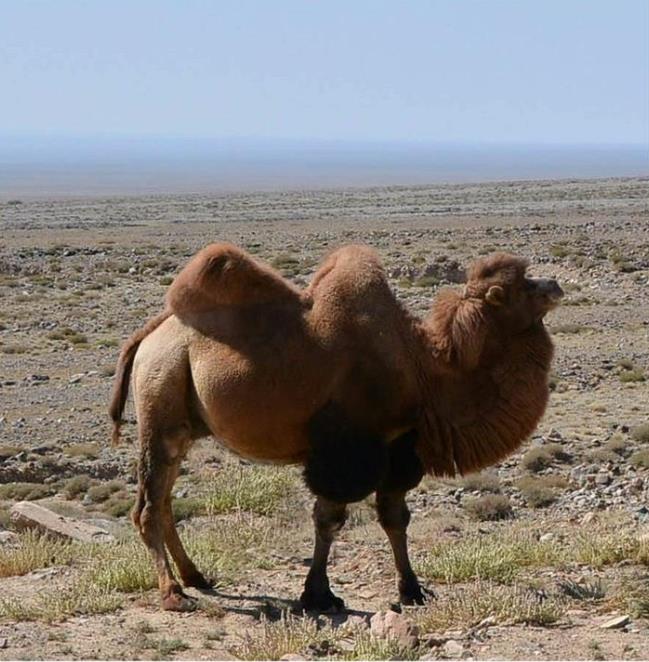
(328,517)
(394,517)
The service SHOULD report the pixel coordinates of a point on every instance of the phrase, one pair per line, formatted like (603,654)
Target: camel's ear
(495,295)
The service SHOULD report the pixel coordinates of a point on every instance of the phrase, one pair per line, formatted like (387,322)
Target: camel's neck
(481,399)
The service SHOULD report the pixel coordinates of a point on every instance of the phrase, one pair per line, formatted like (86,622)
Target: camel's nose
(549,287)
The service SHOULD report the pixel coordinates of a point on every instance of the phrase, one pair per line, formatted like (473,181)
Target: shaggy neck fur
(484,390)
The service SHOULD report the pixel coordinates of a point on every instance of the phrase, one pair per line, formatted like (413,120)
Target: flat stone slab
(28,515)
(615,623)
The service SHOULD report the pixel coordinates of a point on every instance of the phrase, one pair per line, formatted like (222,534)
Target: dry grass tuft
(76,486)
(640,458)
(25,491)
(618,444)
(90,451)
(501,556)
(102,491)
(485,481)
(541,457)
(540,492)
(289,635)
(632,376)
(489,508)
(57,604)
(293,635)
(34,552)
(468,605)
(255,489)
(641,433)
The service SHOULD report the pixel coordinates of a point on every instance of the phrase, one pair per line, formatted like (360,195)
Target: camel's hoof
(415,595)
(178,601)
(198,580)
(321,601)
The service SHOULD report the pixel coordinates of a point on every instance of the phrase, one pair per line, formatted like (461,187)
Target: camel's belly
(259,406)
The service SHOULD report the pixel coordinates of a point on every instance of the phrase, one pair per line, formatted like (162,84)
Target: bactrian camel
(340,378)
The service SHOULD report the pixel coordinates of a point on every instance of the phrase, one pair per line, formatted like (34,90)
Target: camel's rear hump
(222,274)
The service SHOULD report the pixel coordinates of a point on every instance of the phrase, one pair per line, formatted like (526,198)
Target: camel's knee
(344,463)
(136,512)
(392,511)
(151,524)
(329,518)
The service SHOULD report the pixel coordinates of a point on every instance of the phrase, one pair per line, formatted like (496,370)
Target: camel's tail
(124,368)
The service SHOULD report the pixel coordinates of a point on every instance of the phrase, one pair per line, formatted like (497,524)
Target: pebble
(76,378)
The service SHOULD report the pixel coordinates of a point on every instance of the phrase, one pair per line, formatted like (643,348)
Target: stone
(292,656)
(453,649)
(588,518)
(615,623)
(8,538)
(391,625)
(3,642)
(603,479)
(28,515)
(357,621)
(75,379)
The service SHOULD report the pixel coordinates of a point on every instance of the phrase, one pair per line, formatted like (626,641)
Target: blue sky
(525,71)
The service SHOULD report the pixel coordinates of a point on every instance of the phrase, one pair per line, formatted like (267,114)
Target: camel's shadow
(273,608)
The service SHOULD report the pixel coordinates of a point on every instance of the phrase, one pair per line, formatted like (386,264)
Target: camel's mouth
(550,292)
(554,299)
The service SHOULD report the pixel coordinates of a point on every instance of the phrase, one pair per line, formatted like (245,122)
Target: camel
(338,377)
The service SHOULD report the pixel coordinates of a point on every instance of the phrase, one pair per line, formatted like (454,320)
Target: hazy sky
(564,71)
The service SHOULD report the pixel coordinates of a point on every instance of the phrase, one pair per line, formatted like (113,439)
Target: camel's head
(512,297)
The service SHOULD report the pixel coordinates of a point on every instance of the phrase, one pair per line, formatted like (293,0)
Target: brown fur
(222,274)
(123,371)
(243,355)
(493,387)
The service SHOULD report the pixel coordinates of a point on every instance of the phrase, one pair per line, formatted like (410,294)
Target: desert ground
(528,560)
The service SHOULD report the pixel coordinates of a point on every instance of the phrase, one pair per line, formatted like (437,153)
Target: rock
(603,478)
(8,538)
(615,623)
(390,625)
(588,518)
(76,378)
(357,621)
(292,656)
(453,649)
(28,515)
(3,642)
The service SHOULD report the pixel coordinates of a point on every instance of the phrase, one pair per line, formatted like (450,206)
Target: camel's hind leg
(328,517)
(159,452)
(189,573)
